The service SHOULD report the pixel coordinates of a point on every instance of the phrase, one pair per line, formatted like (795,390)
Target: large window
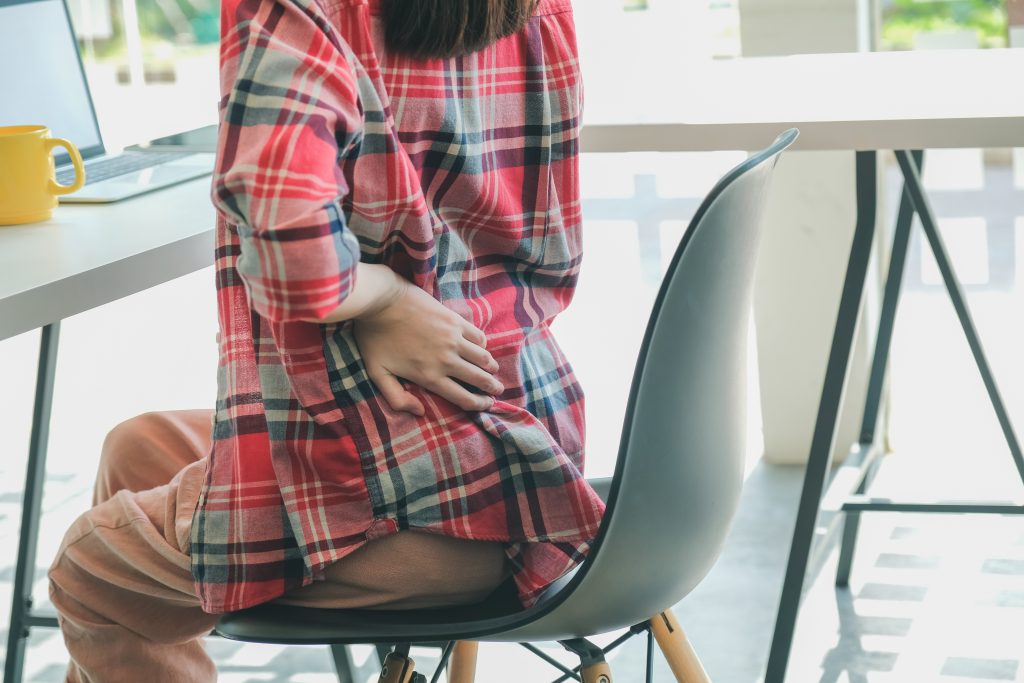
(629,30)
(152,64)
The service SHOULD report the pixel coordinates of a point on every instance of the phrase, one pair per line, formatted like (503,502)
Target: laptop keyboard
(111,167)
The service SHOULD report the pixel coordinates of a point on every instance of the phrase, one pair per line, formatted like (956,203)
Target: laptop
(42,82)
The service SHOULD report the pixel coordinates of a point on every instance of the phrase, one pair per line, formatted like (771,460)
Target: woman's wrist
(376,288)
(389,288)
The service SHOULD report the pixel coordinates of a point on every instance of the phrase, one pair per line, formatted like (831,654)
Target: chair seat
(290,625)
(287,624)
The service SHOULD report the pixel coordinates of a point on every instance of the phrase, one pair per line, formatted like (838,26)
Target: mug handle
(76,161)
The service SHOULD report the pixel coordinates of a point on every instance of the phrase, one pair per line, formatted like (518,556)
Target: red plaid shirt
(460,175)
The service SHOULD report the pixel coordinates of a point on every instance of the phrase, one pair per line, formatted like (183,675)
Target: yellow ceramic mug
(28,185)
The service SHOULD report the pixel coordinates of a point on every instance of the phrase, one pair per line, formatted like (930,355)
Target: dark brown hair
(447,28)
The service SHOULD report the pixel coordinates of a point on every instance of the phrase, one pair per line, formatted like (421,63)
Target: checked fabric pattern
(459,174)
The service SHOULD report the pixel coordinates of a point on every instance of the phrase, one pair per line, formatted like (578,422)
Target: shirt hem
(375,530)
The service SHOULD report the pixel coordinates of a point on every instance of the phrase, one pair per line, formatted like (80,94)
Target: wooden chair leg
(599,672)
(462,665)
(682,660)
(397,669)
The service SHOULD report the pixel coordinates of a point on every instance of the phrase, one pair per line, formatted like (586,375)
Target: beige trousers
(122,585)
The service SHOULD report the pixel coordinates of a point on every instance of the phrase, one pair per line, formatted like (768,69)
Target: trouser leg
(148,450)
(121,582)
(124,593)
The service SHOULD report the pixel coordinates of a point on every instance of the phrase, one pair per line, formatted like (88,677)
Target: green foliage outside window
(180,20)
(902,19)
(183,24)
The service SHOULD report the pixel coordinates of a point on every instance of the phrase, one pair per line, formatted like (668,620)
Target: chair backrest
(681,459)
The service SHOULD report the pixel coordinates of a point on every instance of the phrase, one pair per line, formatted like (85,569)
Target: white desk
(856,102)
(83,257)
(860,101)
(86,256)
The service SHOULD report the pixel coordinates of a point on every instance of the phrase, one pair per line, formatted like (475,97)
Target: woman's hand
(415,337)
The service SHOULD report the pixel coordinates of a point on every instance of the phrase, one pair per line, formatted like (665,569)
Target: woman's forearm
(375,287)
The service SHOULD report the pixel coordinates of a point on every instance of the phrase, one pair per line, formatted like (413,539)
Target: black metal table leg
(820,458)
(914,201)
(24,573)
(879,365)
(887,317)
(912,178)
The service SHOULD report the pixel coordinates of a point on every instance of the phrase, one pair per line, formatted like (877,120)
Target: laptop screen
(41,78)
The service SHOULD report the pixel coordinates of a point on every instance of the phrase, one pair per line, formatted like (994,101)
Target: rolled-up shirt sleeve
(290,114)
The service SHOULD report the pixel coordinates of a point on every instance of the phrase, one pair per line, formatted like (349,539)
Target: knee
(148,450)
(65,564)
(131,442)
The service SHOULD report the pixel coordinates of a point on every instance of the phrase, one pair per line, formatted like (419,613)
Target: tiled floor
(931,599)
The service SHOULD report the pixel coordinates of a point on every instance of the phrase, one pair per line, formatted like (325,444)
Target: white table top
(855,101)
(86,256)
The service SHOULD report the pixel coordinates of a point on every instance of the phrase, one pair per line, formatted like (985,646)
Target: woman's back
(461,176)
(481,204)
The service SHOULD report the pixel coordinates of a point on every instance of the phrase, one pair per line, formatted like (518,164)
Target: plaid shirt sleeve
(289,113)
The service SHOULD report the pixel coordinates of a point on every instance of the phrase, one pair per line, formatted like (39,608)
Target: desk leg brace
(914,200)
(820,459)
(923,207)
(24,573)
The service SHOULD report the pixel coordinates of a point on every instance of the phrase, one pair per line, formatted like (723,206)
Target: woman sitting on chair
(396,427)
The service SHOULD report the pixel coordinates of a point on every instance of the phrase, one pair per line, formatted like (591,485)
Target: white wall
(810,221)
